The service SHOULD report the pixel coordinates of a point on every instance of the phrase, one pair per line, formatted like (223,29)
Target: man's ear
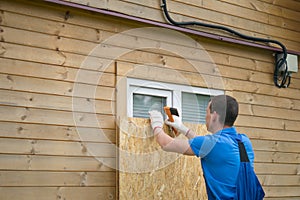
(215,116)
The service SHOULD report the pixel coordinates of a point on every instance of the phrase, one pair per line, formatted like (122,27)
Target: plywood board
(147,172)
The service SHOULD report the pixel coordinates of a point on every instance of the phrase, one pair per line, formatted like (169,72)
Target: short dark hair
(227,107)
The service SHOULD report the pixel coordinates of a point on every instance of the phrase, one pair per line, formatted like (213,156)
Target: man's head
(222,111)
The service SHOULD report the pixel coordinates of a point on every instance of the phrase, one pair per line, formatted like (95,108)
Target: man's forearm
(190,134)
(170,144)
(162,138)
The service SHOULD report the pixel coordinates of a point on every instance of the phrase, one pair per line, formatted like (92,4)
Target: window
(143,103)
(144,96)
(191,102)
(194,107)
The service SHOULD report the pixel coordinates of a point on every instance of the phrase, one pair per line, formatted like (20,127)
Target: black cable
(280,63)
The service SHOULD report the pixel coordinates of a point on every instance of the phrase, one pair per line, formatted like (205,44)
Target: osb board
(147,172)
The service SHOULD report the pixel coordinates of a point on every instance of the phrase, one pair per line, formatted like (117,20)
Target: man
(219,152)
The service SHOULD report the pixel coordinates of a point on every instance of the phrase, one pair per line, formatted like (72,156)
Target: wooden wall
(261,18)
(43,156)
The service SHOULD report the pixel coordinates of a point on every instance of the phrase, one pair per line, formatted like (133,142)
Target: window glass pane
(142,104)
(194,107)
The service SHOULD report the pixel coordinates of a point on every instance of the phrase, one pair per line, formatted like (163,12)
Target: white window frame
(147,91)
(171,91)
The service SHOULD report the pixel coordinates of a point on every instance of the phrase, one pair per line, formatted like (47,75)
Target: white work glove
(157,120)
(177,124)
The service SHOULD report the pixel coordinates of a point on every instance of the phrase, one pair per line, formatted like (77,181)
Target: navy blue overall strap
(248,185)
(242,150)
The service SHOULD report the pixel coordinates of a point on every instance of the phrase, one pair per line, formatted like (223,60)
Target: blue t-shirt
(220,160)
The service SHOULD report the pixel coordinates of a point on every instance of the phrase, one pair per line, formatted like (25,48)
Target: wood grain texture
(147,172)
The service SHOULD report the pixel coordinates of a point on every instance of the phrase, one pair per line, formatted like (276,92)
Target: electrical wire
(282,77)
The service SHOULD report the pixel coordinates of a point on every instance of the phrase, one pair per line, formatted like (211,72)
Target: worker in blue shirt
(219,151)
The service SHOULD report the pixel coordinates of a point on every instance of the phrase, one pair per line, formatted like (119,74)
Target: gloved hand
(177,124)
(157,120)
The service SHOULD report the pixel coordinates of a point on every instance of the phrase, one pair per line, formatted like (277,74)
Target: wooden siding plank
(262,89)
(259,122)
(61,148)
(32,115)
(44,86)
(39,178)
(285,13)
(120,6)
(33,54)
(50,193)
(276,146)
(90,193)
(237,51)
(266,100)
(281,198)
(33,193)
(52,72)
(269,134)
(54,102)
(289,4)
(289,114)
(292,125)
(54,57)
(42,40)
(282,22)
(271,7)
(54,132)
(277,157)
(271,112)
(55,163)
(276,168)
(285,192)
(279,180)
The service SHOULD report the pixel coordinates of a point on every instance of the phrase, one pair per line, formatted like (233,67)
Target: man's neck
(219,128)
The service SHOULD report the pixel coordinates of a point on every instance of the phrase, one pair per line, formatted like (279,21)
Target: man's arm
(165,141)
(190,134)
(172,144)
